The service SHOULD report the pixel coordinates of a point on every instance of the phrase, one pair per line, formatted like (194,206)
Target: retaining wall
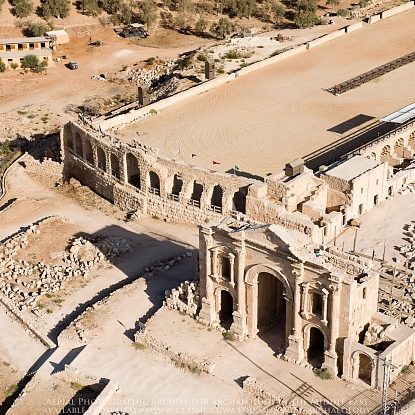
(326,38)
(373,19)
(397,9)
(354,27)
(134,115)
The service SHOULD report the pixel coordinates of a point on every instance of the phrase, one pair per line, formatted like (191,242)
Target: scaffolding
(372,74)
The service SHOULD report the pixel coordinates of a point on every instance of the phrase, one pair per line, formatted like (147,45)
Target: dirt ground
(274,115)
(60,88)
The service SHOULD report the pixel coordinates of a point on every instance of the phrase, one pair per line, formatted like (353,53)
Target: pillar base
(239,326)
(330,362)
(294,350)
(207,312)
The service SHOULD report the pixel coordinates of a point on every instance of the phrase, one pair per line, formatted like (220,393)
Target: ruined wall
(397,9)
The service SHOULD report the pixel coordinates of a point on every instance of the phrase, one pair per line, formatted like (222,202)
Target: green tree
(2,66)
(36,29)
(55,8)
(148,12)
(201,26)
(111,6)
(307,5)
(222,28)
(277,12)
(304,19)
(32,63)
(89,7)
(342,12)
(22,8)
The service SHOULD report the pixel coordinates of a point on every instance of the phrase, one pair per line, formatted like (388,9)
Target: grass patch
(229,335)
(139,346)
(202,57)
(322,374)
(11,390)
(76,386)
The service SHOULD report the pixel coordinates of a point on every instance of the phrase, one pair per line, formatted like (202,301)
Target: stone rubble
(24,282)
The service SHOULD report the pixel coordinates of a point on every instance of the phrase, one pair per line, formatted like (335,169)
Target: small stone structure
(210,70)
(143,95)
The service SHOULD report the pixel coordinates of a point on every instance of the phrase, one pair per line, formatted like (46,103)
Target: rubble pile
(145,77)
(24,282)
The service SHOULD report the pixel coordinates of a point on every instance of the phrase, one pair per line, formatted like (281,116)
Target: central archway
(270,302)
(271,323)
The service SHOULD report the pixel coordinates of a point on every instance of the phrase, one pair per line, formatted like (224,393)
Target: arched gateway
(270,299)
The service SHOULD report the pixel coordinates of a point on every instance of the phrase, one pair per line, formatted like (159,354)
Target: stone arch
(251,280)
(132,171)
(239,200)
(115,166)
(78,145)
(216,198)
(399,147)
(411,141)
(177,185)
(364,367)
(153,182)
(101,159)
(196,195)
(385,153)
(315,344)
(251,277)
(88,152)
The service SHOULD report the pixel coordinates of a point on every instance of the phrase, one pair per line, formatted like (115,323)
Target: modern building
(13,50)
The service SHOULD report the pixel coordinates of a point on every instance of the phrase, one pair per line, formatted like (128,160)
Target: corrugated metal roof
(402,115)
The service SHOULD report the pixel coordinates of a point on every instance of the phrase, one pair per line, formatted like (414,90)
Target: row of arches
(390,152)
(194,192)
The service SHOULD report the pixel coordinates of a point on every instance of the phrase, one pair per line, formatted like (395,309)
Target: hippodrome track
(265,119)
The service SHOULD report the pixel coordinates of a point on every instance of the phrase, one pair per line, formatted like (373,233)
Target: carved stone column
(330,360)
(207,311)
(232,269)
(295,349)
(239,325)
(325,305)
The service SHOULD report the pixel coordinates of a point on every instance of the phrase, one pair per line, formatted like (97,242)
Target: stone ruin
(185,298)
(24,282)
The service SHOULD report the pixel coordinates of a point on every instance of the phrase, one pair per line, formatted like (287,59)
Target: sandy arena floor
(263,120)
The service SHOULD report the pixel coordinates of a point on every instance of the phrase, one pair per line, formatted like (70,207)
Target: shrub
(110,6)
(201,26)
(14,65)
(150,61)
(322,374)
(342,13)
(229,335)
(139,346)
(2,66)
(153,111)
(201,57)
(232,54)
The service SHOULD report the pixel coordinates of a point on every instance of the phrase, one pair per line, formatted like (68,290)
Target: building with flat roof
(13,50)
